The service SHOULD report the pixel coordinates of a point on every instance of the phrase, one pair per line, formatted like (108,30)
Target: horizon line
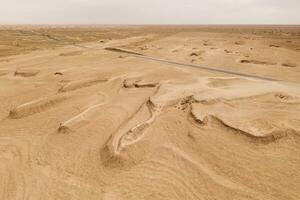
(146,24)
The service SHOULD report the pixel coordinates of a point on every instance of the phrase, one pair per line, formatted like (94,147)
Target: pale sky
(149,11)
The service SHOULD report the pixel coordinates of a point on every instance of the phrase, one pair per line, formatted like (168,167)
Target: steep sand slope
(108,125)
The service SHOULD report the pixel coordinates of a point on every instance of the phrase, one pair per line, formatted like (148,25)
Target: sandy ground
(78,121)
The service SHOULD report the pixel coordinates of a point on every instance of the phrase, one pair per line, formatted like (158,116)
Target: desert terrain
(149,112)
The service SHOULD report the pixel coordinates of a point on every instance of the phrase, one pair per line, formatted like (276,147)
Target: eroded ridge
(139,83)
(126,107)
(122,50)
(4,72)
(26,72)
(243,119)
(136,133)
(37,106)
(74,85)
(119,142)
(273,136)
(75,122)
(257,62)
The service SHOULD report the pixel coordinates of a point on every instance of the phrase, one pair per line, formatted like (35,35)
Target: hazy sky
(150,11)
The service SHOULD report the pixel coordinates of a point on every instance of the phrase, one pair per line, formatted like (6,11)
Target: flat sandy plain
(82,120)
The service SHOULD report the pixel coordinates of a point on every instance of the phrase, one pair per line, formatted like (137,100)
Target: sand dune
(77,122)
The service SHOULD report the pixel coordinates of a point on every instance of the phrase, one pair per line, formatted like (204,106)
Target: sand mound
(257,62)
(227,51)
(197,53)
(274,45)
(138,83)
(75,85)
(4,72)
(130,82)
(26,72)
(288,64)
(122,50)
(71,53)
(240,43)
(36,106)
(146,84)
(58,73)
